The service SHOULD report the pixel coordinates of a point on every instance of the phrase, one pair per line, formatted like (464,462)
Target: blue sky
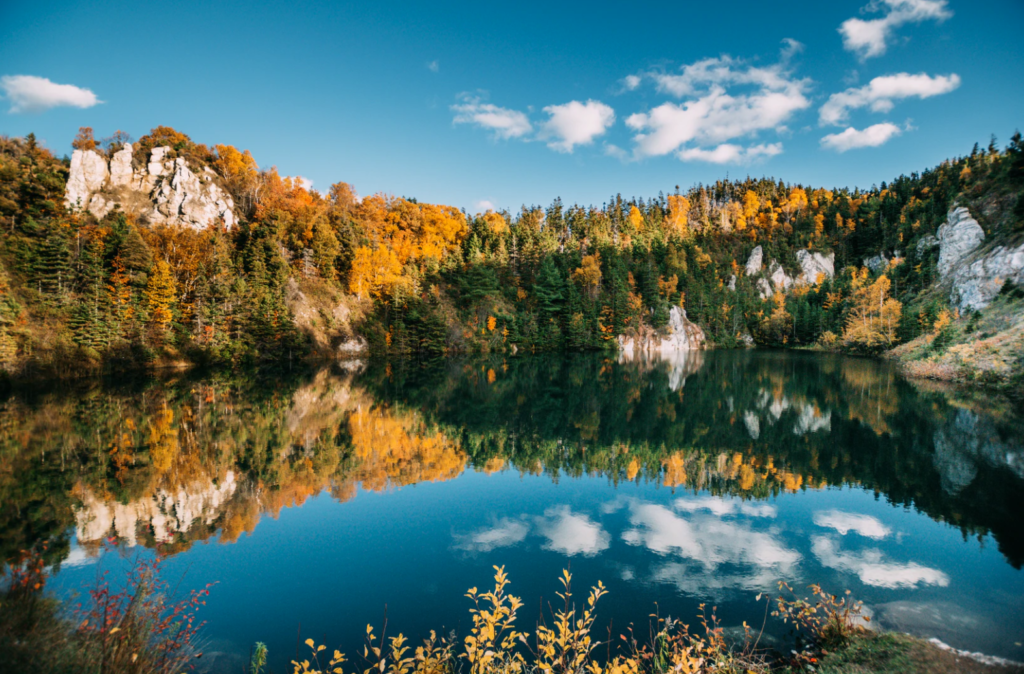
(512,103)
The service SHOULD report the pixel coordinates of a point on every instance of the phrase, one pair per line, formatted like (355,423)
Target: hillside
(168,252)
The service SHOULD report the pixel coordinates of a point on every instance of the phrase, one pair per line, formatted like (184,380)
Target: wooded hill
(303,272)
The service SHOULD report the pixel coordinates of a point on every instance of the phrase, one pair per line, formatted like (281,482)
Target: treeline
(78,292)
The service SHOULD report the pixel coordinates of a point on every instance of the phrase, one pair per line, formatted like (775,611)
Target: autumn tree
(874,317)
(161,291)
(678,215)
(84,140)
(636,219)
(375,272)
(588,275)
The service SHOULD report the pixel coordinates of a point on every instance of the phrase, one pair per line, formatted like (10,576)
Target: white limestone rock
(353,348)
(926,243)
(754,261)
(680,335)
(121,167)
(780,279)
(958,237)
(976,284)
(88,174)
(814,264)
(975,275)
(174,193)
(732,282)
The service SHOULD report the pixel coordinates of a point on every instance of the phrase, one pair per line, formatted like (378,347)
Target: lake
(320,500)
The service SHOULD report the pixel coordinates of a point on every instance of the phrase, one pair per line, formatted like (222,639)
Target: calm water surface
(316,500)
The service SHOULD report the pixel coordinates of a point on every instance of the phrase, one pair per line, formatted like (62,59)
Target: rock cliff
(975,273)
(163,190)
(679,335)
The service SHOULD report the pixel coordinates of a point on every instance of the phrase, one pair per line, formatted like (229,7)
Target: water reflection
(708,475)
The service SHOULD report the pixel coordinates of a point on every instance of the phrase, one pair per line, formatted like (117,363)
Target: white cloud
(29,93)
(870,567)
(304,183)
(844,522)
(870,38)
(881,93)
(709,542)
(719,506)
(851,138)
(728,153)
(484,205)
(631,82)
(79,556)
(503,122)
(571,534)
(575,123)
(504,533)
(719,107)
(433,66)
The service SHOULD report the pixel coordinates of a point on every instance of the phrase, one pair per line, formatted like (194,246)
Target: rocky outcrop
(754,261)
(877,264)
(958,237)
(814,265)
(163,191)
(926,243)
(679,335)
(975,275)
(976,283)
(89,174)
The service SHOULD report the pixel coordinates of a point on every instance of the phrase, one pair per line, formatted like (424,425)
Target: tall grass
(565,643)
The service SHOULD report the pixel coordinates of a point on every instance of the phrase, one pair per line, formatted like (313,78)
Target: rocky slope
(163,190)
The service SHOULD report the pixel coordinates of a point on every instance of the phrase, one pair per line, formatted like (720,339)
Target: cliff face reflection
(166,463)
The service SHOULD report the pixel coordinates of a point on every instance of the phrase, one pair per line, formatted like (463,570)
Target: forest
(81,295)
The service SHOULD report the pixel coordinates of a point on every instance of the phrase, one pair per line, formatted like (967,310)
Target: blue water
(853,479)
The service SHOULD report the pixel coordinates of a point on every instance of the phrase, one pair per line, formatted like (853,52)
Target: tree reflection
(165,463)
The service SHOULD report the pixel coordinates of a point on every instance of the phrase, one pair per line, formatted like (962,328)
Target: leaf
(309,642)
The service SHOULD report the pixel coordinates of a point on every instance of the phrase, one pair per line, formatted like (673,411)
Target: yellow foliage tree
(874,317)
(161,290)
(588,275)
(636,218)
(678,215)
(495,223)
(375,272)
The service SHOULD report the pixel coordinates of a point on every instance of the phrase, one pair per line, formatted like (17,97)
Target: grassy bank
(893,653)
(983,349)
